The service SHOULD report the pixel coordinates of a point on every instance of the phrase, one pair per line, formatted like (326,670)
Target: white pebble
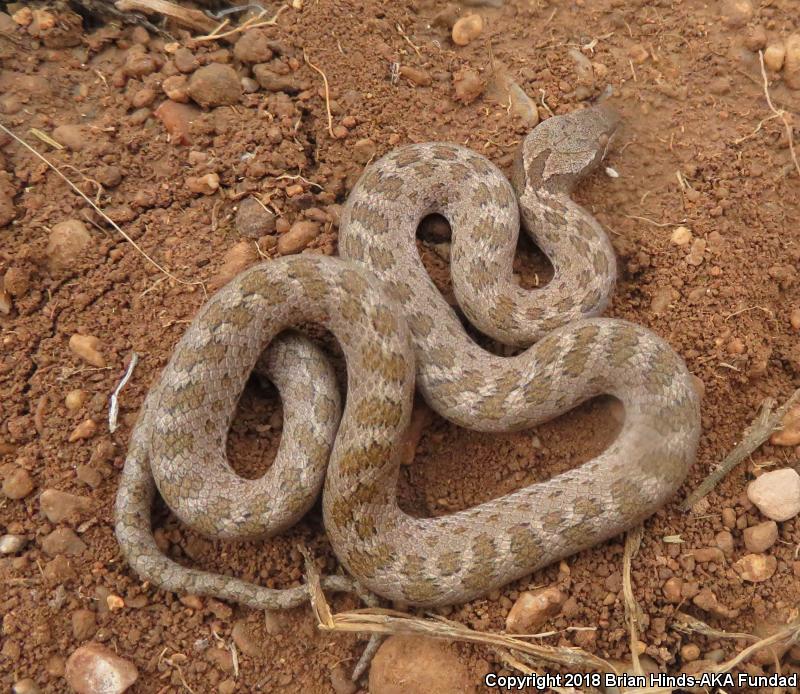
(776,494)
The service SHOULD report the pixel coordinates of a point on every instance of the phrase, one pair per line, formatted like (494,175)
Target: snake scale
(394,327)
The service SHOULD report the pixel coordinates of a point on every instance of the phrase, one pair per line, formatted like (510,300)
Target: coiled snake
(391,323)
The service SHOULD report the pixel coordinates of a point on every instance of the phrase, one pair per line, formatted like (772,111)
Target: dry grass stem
(251,23)
(101,213)
(633,612)
(194,19)
(327,92)
(756,434)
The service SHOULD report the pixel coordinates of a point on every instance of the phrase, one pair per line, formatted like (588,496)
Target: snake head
(563,149)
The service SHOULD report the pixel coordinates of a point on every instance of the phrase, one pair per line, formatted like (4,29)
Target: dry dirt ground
(695,152)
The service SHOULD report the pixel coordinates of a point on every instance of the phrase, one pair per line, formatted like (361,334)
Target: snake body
(392,323)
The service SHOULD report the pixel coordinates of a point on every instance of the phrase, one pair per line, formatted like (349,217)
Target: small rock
(87,348)
(690,652)
(583,67)
(108,176)
(418,665)
(522,105)
(709,554)
(672,590)
(94,669)
(729,518)
(776,494)
(227,687)
(533,609)
(794,318)
(18,484)
(185,60)
(12,544)
(243,638)
(661,300)
(240,256)
(759,538)
(756,38)
(73,137)
(681,236)
(203,185)
(789,433)
(791,63)
(75,399)
(253,47)
(63,541)
(756,567)
(60,506)
(774,55)
(16,281)
(7,210)
(253,219)
(215,85)
(298,237)
(85,430)
(341,682)
(736,13)
(177,119)
(138,63)
(467,29)
(468,85)
(84,624)
(26,686)
(274,81)
(364,150)
(66,243)
(695,256)
(724,541)
(176,88)
(638,53)
(422,78)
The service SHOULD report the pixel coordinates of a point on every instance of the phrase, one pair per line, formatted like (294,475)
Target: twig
(632,610)
(44,137)
(654,223)
(251,23)
(688,625)
(101,213)
(113,410)
(756,434)
(327,92)
(194,19)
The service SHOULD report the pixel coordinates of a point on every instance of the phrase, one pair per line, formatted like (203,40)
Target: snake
(397,332)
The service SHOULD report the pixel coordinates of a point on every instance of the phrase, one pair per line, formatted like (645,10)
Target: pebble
(422,78)
(789,433)
(467,29)
(75,399)
(177,119)
(638,53)
(661,300)
(108,176)
(87,348)
(706,600)
(238,257)
(681,236)
(26,686)
(522,105)
(253,47)
(300,234)
(364,150)
(756,38)
(695,256)
(66,243)
(776,494)
(94,669)
(273,81)
(7,210)
(253,219)
(709,554)
(176,88)
(12,544)
(85,430)
(244,639)
(16,281)
(759,538)
(185,60)
(468,85)
(724,541)
(18,484)
(84,624)
(418,665)
(73,137)
(791,63)
(794,318)
(583,67)
(207,184)
(215,85)
(774,55)
(533,609)
(341,682)
(756,567)
(672,589)
(63,541)
(60,506)
(736,13)
(690,652)
(227,687)
(729,518)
